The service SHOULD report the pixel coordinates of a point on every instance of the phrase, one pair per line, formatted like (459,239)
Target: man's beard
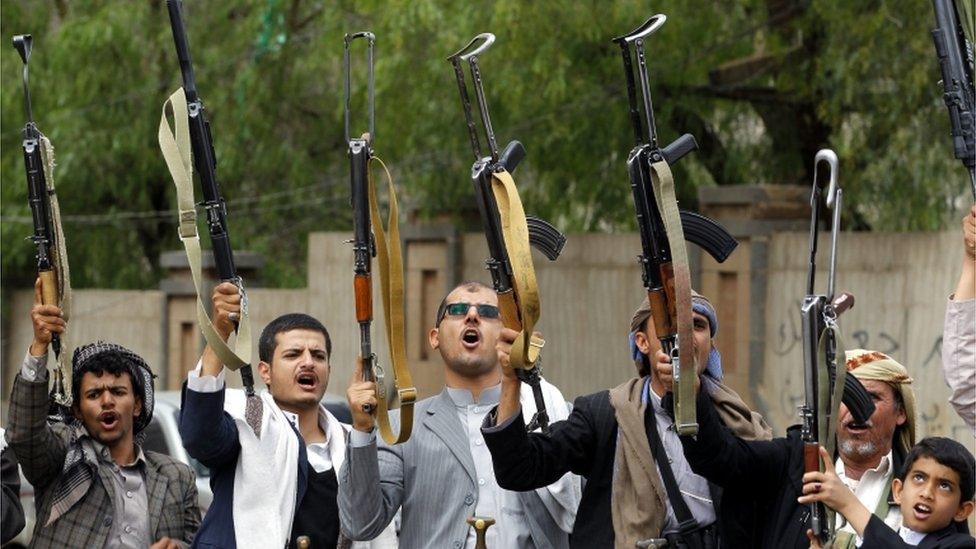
(468,366)
(858,448)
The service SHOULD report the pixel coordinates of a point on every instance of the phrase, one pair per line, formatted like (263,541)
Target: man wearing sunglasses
(443,474)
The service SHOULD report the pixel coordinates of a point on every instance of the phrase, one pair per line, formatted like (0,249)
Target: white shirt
(911,537)
(869,491)
(511,528)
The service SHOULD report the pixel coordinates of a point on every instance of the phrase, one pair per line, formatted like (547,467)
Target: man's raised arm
(39,450)
(210,434)
(371,477)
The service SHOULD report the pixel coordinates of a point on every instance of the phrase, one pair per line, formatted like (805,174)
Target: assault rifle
(205,164)
(656,261)
(39,197)
(364,248)
(956,63)
(541,234)
(369,240)
(820,347)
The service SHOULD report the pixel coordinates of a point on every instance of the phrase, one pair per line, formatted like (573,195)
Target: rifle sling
(686,521)
(390,258)
(685,418)
(526,348)
(829,401)
(59,253)
(176,148)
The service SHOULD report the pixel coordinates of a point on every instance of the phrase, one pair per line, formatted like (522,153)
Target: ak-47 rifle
(205,163)
(956,63)
(366,245)
(51,267)
(648,163)
(823,391)
(509,262)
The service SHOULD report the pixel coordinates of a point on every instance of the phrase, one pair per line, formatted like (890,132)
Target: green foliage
(860,77)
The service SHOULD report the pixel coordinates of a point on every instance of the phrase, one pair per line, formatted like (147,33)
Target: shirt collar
(882,469)
(463,397)
(105,455)
(323,421)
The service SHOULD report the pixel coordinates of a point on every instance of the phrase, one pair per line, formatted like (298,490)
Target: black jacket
(13,512)
(770,473)
(585,444)
(879,535)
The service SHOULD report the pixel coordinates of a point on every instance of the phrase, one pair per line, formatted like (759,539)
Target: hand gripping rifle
(826,383)
(508,230)
(663,229)
(193,134)
(956,63)
(369,240)
(48,237)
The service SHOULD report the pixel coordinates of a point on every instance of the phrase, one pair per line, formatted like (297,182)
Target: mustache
(867,424)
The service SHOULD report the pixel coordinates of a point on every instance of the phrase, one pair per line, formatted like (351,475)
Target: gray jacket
(432,476)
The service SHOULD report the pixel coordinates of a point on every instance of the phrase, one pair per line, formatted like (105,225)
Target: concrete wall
(588,296)
(900,281)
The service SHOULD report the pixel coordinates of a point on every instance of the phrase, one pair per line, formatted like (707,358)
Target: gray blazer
(432,476)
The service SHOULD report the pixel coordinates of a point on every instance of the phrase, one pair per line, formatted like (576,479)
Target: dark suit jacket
(210,436)
(768,472)
(878,535)
(13,513)
(41,449)
(584,444)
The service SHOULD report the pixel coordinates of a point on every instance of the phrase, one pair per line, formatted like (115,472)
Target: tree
(761,83)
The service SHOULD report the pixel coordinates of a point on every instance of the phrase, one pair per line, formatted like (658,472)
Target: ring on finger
(233,317)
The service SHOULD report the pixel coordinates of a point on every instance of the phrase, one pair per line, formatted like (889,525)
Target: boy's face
(930,497)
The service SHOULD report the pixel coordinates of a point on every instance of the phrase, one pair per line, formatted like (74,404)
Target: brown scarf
(638,502)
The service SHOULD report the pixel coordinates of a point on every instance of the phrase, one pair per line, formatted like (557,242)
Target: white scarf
(266,478)
(562,497)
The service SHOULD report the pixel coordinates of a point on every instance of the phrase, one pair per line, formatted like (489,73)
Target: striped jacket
(41,449)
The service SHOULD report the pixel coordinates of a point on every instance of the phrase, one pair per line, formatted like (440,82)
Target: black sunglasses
(462,308)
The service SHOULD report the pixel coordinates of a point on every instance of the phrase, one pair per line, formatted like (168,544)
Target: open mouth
(307,380)
(921,511)
(470,338)
(857,428)
(108,420)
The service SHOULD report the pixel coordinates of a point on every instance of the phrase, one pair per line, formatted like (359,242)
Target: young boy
(934,490)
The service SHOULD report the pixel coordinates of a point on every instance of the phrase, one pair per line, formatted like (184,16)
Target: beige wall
(900,281)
